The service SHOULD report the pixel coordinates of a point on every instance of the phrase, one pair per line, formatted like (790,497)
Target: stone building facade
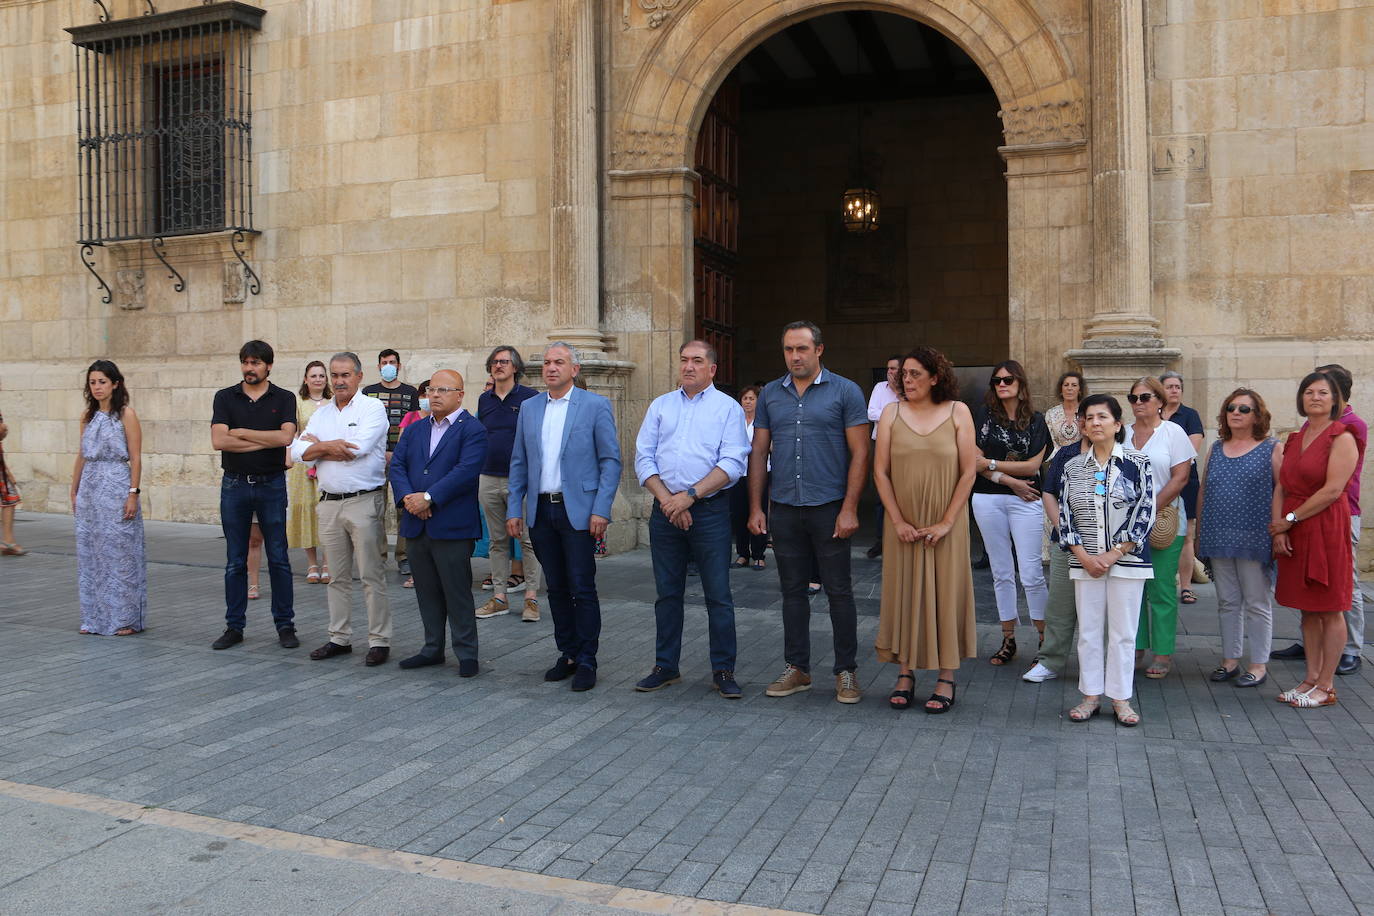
(1177,183)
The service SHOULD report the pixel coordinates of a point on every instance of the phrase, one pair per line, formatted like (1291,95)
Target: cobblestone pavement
(1221,801)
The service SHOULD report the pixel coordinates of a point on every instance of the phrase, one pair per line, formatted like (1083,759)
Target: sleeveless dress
(926,617)
(112,574)
(302,493)
(1317,576)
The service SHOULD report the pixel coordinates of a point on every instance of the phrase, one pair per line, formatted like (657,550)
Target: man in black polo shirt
(251,426)
(400,399)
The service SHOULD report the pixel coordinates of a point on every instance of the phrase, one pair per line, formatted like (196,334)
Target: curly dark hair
(1082,384)
(1262,417)
(1024,410)
(946,384)
(119,395)
(305,387)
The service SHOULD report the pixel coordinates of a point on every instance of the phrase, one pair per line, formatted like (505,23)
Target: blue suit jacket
(449,476)
(590,461)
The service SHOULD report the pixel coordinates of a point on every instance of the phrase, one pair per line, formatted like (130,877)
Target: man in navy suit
(433,475)
(564,470)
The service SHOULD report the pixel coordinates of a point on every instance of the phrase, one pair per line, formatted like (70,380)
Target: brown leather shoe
(377,655)
(531,612)
(792,680)
(495,607)
(329,650)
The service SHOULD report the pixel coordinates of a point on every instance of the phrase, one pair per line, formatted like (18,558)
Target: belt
(255,478)
(551,497)
(331,496)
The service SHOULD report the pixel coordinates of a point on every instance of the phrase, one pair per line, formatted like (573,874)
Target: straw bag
(1165,528)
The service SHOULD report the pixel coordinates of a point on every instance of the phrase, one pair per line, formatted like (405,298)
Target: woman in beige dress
(924,467)
(302,529)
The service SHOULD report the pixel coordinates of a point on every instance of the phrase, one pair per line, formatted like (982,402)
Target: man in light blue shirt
(692,447)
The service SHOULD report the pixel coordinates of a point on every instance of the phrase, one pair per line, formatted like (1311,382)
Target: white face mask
(389,373)
(424,405)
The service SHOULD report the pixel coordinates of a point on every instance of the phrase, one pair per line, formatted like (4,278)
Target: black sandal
(742,562)
(1006,653)
(945,701)
(515,581)
(908,695)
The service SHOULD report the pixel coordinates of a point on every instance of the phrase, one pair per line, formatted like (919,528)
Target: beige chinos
(350,531)
(491,493)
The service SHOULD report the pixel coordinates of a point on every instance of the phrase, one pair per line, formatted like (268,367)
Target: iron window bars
(164,128)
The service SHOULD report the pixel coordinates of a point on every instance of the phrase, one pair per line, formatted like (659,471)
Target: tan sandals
(1091,706)
(1125,715)
(1085,710)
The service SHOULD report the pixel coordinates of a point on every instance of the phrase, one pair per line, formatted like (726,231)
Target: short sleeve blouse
(1167,447)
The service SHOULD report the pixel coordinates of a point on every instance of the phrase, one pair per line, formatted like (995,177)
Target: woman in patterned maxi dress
(112,577)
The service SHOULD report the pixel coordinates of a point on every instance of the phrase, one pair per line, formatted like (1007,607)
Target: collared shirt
(1123,512)
(236,410)
(551,442)
(364,423)
(497,416)
(437,428)
(684,438)
(810,453)
(882,396)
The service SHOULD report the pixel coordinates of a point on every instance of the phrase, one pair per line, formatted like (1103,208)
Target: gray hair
(1171,374)
(516,363)
(350,357)
(572,351)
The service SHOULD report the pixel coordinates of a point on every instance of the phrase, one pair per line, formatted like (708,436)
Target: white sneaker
(1039,674)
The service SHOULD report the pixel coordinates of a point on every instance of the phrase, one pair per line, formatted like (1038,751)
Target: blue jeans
(239,502)
(708,543)
(566,556)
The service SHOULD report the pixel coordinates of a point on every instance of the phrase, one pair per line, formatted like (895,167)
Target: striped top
(1099,522)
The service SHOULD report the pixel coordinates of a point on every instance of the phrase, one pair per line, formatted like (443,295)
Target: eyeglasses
(1003,379)
(1142,398)
(500,362)
(433,390)
(1101,488)
(1239,408)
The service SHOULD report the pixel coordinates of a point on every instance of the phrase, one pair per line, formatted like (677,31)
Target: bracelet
(996,476)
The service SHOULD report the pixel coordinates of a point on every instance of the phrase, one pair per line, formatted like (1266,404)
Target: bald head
(445,393)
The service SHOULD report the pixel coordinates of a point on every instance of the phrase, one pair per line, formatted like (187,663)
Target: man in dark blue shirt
(497,410)
(815,424)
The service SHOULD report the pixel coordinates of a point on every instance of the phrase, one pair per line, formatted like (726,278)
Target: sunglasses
(1239,408)
(1003,379)
(1141,398)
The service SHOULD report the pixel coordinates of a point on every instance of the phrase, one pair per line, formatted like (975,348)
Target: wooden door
(717,228)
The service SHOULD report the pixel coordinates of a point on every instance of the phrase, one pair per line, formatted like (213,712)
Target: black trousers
(802,536)
(748,545)
(443,587)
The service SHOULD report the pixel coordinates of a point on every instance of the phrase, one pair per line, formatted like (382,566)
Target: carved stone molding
(646,149)
(1047,123)
(131,289)
(235,283)
(658,10)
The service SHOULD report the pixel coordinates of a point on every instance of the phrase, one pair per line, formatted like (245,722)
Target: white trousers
(1108,614)
(1004,521)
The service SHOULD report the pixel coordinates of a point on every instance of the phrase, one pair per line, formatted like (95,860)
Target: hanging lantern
(861,206)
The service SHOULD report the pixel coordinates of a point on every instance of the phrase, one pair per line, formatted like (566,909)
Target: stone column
(575,219)
(1122,340)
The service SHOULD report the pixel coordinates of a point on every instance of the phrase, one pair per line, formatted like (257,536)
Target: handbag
(1165,528)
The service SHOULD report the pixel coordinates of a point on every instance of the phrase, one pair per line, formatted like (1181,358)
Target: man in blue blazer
(433,475)
(564,470)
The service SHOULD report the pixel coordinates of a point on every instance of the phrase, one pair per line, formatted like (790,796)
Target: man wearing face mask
(399,400)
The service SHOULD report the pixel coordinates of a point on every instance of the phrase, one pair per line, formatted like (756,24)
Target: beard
(253,378)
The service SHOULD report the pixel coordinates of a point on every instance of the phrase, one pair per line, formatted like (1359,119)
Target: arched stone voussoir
(699,46)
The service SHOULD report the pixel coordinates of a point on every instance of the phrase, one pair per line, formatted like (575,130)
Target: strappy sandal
(409,582)
(759,564)
(1291,693)
(945,701)
(1006,653)
(11,550)
(908,695)
(487,584)
(1085,710)
(1187,597)
(1305,700)
(742,562)
(324,574)
(1125,715)
(515,581)
(1159,669)
(312,575)
(125,631)
(253,592)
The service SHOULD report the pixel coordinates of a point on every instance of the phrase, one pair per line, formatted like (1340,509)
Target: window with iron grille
(164,123)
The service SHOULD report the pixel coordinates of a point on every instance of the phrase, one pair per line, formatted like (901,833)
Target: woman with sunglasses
(1171,455)
(1106,508)
(1308,523)
(1233,524)
(1012,441)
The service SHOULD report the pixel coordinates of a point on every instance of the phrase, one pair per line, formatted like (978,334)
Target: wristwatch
(992,464)
(428,498)
(1291,518)
(692,492)
(134,491)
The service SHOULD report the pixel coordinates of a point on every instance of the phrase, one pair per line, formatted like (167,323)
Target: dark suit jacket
(449,476)
(589,463)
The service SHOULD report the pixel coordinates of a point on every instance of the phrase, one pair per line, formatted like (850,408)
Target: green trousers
(1159,606)
(1061,614)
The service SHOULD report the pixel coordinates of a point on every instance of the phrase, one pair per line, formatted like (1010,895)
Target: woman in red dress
(1310,521)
